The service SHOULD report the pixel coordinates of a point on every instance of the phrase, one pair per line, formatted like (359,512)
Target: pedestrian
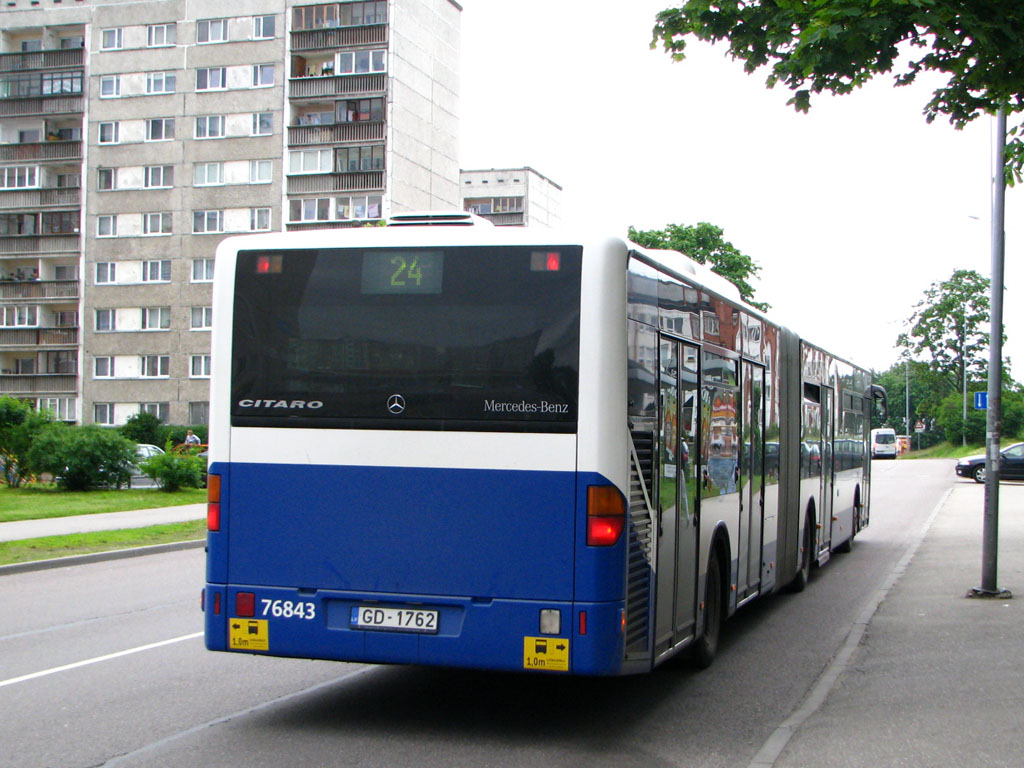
(191,438)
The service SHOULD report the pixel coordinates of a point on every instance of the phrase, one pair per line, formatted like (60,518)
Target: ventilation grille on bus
(438,218)
(641,544)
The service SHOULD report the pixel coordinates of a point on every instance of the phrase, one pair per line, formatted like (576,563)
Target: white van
(883,443)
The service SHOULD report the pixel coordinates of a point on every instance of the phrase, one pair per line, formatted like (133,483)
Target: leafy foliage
(951,326)
(80,458)
(175,470)
(705,244)
(143,427)
(836,46)
(950,418)
(19,424)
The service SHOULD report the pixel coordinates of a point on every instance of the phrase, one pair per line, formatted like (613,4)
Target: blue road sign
(981,401)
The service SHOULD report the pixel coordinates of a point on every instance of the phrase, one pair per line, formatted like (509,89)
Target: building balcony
(363,181)
(27,338)
(338,37)
(40,151)
(60,58)
(34,199)
(337,85)
(29,384)
(294,226)
(41,244)
(516,219)
(57,290)
(338,133)
(59,105)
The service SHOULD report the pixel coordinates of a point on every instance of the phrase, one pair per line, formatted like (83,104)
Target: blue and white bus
(510,449)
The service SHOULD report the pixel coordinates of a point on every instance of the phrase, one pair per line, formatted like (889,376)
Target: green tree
(19,424)
(142,427)
(83,457)
(950,326)
(836,46)
(704,243)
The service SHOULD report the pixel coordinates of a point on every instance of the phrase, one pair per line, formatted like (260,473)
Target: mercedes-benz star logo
(396,404)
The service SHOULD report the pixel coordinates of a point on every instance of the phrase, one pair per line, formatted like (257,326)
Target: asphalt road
(104,664)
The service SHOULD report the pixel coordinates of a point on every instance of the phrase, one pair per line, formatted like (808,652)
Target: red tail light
(606,515)
(245,604)
(213,502)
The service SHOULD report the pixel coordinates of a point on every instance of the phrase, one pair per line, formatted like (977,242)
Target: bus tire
(706,646)
(847,546)
(803,575)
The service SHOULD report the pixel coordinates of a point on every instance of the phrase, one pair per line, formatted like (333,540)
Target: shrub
(175,470)
(19,425)
(142,428)
(80,458)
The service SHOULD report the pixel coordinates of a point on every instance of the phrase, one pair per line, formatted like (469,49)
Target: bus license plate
(402,619)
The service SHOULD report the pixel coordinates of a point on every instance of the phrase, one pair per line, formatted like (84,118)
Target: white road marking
(96,660)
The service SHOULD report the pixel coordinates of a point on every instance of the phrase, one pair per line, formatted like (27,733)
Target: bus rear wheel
(706,646)
(803,576)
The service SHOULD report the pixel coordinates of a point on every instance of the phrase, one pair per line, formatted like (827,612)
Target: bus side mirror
(880,400)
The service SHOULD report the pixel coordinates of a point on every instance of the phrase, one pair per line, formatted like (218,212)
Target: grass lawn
(949,451)
(47,547)
(40,501)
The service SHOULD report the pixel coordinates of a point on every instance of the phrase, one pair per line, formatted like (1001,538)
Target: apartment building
(511,197)
(135,136)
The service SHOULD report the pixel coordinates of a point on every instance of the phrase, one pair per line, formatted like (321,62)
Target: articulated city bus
(511,449)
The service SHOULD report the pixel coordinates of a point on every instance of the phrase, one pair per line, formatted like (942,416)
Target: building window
(160,129)
(160,82)
(262,123)
(159,176)
(202,318)
(107,178)
(360,111)
(106,320)
(67,318)
(61,362)
(199,412)
(156,224)
(202,270)
(61,82)
(262,75)
(160,410)
(68,181)
(106,226)
(484,205)
(359,207)
(360,62)
(200,367)
(259,219)
(208,174)
(210,127)
(62,408)
(59,223)
(19,177)
(212,31)
(207,221)
(263,27)
(158,271)
(111,39)
(15,316)
(155,366)
(106,272)
(160,35)
(350,159)
(317,209)
(211,79)
(345,15)
(156,318)
(310,161)
(103,413)
(109,133)
(110,86)
(260,171)
(103,368)
(65,272)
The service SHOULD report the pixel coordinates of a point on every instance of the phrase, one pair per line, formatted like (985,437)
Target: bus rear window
(469,338)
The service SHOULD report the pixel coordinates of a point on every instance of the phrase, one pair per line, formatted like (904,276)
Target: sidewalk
(938,679)
(108,521)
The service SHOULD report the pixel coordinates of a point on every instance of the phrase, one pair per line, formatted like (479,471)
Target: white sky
(852,210)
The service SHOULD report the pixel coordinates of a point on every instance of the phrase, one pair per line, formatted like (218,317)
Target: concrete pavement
(108,521)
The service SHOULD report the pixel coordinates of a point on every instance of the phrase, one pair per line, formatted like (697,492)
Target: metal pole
(994,414)
(907,427)
(963,428)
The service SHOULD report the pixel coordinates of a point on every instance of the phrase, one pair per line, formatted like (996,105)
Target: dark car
(1012,465)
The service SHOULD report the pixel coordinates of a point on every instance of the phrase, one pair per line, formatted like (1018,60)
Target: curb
(98,557)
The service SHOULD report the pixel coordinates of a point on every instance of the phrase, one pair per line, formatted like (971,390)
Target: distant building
(511,197)
(135,136)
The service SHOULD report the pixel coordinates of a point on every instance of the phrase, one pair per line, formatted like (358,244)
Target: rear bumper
(472,633)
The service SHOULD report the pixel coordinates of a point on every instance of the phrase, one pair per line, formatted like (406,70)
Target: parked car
(143,451)
(1012,465)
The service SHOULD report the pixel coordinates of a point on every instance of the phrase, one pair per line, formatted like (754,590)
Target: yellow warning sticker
(550,654)
(248,635)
